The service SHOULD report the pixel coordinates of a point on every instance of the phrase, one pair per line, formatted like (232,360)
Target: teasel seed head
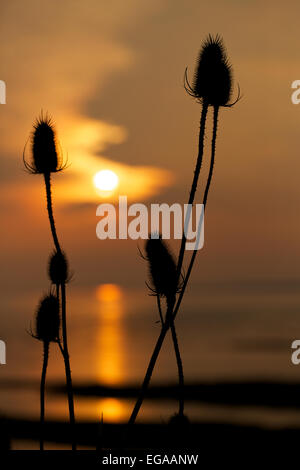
(47,321)
(45,157)
(162,269)
(223,93)
(213,76)
(58,268)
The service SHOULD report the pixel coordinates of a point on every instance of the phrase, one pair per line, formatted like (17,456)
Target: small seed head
(45,158)
(213,76)
(162,268)
(58,269)
(47,319)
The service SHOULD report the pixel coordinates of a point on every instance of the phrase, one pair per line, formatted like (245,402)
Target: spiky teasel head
(213,80)
(58,268)
(45,157)
(47,321)
(162,268)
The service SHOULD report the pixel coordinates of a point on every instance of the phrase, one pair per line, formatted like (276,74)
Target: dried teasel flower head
(223,93)
(162,268)
(47,321)
(58,268)
(213,80)
(45,157)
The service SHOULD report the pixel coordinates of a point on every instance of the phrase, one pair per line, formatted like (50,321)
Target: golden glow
(82,140)
(109,293)
(110,334)
(112,410)
(106,180)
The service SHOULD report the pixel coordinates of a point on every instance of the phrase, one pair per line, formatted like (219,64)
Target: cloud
(55,55)
(84,138)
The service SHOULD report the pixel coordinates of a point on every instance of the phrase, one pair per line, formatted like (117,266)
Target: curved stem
(50,211)
(67,365)
(42,391)
(180,369)
(182,249)
(194,184)
(204,202)
(170,317)
(149,371)
(63,309)
(167,323)
(159,309)
(178,358)
(213,153)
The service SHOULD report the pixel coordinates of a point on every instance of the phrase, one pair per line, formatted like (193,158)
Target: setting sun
(106,180)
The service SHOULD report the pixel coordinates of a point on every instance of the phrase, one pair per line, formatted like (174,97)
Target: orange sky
(110,74)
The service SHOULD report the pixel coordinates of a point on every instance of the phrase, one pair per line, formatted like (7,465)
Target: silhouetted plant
(58,268)
(165,283)
(218,92)
(162,268)
(47,323)
(212,86)
(45,161)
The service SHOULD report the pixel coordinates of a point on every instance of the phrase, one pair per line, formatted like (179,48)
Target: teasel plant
(47,330)
(211,87)
(165,284)
(46,160)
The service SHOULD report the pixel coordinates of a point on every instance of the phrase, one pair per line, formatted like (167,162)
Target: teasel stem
(47,179)
(195,182)
(182,250)
(63,314)
(213,153)
(67,364)
(171,314)
(151,366)
(178,358)
(180,369)
(42,391)
(204,202)
(159,310)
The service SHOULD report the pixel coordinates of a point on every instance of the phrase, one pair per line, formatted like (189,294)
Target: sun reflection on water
(111,348)
(112,410)
(110,334)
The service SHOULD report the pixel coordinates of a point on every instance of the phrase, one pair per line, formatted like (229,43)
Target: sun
(106,180)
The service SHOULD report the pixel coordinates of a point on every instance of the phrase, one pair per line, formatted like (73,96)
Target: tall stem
(67,365)
(172,313)
(194,184)
(180,369)
(150,368)
(63,308)
(50,211)
(213,153)
(159,310)
(204,202)
(178,358)
(42,391)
